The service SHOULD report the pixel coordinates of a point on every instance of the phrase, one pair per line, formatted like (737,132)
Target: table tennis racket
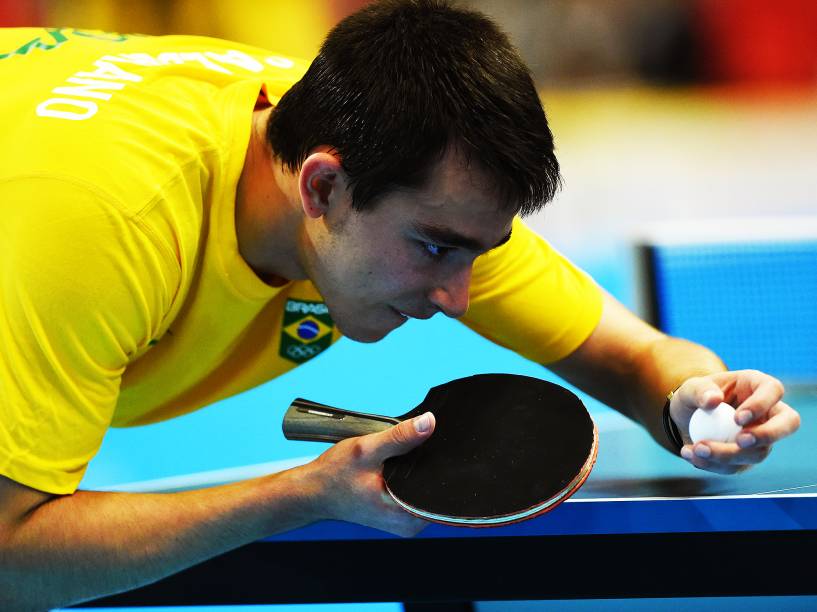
(505,448)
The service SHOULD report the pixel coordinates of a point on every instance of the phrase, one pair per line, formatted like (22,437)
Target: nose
(451,295)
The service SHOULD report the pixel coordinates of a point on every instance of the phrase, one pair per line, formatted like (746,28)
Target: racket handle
(314,422)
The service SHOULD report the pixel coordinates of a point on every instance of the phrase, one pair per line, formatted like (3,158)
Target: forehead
(456,173)
(460,196)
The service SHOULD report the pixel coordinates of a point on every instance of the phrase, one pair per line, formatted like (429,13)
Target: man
(168,202)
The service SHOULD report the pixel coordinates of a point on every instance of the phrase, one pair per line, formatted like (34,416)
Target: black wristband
(670,428)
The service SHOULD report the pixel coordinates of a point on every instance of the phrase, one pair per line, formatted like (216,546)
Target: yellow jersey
(123,297)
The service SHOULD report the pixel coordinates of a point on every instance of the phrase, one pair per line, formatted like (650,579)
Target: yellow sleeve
(527,297)
(82,287)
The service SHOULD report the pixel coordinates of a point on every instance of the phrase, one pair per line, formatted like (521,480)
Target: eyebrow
(448,237)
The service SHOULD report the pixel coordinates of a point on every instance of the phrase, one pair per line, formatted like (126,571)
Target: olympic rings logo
(306,351)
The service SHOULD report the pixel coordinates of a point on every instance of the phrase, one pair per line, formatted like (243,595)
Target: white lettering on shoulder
(238,59)
(172,57)
(279,62)
(82,109)
(87,88)
(107,70)
(108,77)
(138,59)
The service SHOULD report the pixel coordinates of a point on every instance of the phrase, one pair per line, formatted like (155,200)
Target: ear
(321,181)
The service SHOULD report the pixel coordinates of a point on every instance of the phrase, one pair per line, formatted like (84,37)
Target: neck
(267,212)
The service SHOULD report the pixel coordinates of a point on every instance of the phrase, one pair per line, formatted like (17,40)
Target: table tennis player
(185,218)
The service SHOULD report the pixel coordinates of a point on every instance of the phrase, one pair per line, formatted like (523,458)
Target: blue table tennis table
(645,524)
(639,504)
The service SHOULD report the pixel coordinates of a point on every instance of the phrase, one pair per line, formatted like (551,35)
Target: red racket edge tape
(563,495)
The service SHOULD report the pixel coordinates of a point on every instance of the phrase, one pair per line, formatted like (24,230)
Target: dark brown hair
(398,83)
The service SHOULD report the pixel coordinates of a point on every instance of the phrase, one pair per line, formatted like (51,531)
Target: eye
(432,250)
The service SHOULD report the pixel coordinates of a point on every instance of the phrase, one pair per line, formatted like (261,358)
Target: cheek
(397,270)
(409,276)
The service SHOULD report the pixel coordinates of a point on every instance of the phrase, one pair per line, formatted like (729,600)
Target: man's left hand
(757,398)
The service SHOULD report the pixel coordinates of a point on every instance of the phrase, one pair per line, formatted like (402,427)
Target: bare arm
(71,548)
(60,550)
(631,366)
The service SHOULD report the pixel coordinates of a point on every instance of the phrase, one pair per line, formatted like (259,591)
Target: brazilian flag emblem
(306,330)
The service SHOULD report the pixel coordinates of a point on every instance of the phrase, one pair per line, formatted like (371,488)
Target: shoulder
(73,265)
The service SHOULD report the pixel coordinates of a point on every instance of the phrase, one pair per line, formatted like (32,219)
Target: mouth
(406,316)
(402,315)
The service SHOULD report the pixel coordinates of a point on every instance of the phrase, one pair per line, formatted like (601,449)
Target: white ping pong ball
(717,424)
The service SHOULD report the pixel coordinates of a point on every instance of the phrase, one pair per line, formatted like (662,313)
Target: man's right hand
(58,550)
(347,480)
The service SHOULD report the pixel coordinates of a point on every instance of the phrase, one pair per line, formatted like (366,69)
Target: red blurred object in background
(759,42)
(17,13)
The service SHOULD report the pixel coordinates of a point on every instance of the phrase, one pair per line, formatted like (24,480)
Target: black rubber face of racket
(502,444)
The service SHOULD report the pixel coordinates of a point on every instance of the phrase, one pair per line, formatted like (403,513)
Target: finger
(728,453)
(709,465)
(412,529)
(411,525)
(700,392)
(783,420)
(699,462)
(388,516)
(399,439)
(768,392)
(400,522)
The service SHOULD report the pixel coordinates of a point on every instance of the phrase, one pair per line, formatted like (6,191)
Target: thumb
(700,392)
(401,438)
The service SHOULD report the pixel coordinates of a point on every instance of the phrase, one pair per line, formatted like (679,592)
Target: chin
(363,334)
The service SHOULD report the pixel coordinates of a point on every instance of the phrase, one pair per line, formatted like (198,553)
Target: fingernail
(744,416)
(745,440)
(703,451)
(422,423)
(686,453)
